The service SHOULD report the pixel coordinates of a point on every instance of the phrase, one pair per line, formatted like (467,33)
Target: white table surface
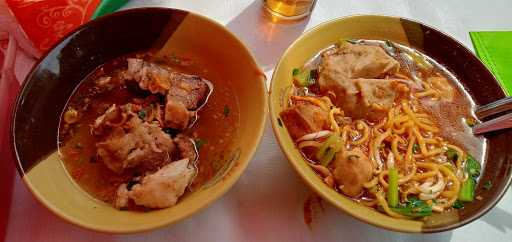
(266,204)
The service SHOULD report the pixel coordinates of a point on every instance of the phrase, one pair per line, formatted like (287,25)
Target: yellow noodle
(309,143)
(408,155)
(390,120)
(370,203)
(426,165)
(344,133)
(403,128)
(424,126)
(394,147)
(430,153)
(334,124)
(383,182)
(400,119)
(405,179)
(373,182)
(365,133)
(374,150)
(411,190)
(431,141)
(455,186)
(430,92)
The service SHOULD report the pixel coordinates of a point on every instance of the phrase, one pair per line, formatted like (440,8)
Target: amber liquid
(290,9)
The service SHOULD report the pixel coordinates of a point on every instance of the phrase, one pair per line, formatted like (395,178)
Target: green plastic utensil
(108,6)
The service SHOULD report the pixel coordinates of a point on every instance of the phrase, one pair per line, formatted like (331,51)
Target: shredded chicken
(126,141)
(158,190)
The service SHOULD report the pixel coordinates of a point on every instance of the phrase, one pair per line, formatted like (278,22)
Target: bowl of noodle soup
(375,114)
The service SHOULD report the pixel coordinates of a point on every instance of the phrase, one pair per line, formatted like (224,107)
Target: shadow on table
(499,219)
(263,35)
(331,223)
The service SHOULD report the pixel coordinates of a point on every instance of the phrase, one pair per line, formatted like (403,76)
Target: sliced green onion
(393,187)
(467,190)
(451,154)
(330,153)
(488,185)
(304,78)
(326,144)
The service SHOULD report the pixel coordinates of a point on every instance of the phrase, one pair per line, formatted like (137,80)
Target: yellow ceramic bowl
(441,47)
(51,82)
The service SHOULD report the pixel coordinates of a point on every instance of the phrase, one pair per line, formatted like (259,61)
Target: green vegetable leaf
(415,148)
(199,143)
(304,78)
(142,114)
(414,202)
(414,208)
(488,185)
(472,166)
(226,111)
(458,205)
(452,154)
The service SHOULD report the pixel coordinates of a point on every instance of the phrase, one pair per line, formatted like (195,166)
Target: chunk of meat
(176,115)
(150,76)
(343,70)
(302,119)
(188,89)
(161,189)
(121,199)
(183,92)
(130,142)
(114,116)
(351,61)
(186,147)
(377,96)
(351,170)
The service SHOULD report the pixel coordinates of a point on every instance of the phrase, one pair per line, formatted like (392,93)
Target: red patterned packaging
(46,21)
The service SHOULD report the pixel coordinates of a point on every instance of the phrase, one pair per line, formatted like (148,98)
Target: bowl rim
(228,183)
(323,192)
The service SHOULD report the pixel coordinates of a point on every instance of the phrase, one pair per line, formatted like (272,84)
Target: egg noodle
(407,140)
